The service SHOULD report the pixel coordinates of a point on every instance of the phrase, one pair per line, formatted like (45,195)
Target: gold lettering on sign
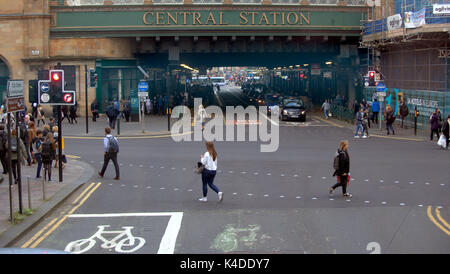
(242,15)
(210,18)
(174,19)
(253,18)
(196,18)
(303,18)
(264,17)
(289,17)
(158,14)
(221,19)
(184,13)
(145,18)
(274,17)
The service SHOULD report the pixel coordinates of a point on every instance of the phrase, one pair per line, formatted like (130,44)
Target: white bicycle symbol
(128,244)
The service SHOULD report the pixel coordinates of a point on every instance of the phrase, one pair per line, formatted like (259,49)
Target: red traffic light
(371,74)
(56,77)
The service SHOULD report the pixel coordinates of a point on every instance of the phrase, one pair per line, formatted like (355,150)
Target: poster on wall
(414,19)
(441,9)
(394,22)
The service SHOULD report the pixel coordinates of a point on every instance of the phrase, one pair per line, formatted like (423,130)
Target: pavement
(374,131)
(75,174)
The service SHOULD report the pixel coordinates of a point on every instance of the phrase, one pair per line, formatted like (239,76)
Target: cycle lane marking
(168,241)
(62,219)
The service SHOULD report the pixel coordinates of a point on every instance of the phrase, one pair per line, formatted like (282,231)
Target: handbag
(199,169)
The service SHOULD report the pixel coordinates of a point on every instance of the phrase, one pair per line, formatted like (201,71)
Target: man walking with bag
(111,149)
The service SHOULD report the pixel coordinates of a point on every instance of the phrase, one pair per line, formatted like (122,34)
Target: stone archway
(4,77)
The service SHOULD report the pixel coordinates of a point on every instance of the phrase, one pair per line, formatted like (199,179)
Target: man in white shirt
(111,149)
(326,108)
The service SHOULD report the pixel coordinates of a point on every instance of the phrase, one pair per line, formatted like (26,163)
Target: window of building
(164,2)
(286,2)
(255,2)
(323,2)
(207,1)
(356,2)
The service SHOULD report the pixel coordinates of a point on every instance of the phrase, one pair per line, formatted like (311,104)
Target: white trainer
(220,196)
(203,199)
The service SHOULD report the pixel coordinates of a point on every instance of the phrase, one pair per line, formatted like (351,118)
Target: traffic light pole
(59,145)
(10,170)
(19,162)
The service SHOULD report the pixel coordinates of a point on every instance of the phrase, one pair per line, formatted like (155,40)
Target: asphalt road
(273,202)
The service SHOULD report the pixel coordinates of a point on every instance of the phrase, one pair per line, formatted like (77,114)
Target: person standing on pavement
(375,110)
(209,160)
(389,118)
(365,123)
(48,146)
(111,149)
(112,113)
(14,148)
(359,123)
(438,112)
(37,149)
(446,131)
(3,149)
(326,108)
(434,122)
(31,135)
(343,170)
(40,115)
(404,111)
(127,110)
(202,115)
(94,110)
(73,113)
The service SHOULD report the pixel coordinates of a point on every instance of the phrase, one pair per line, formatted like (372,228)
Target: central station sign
(222,18)
(346,21)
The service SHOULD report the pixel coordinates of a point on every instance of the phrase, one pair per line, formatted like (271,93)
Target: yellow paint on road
(440,226)
(55,223)
(328,122)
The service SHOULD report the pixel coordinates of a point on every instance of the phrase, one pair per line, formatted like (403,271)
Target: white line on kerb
(167,245)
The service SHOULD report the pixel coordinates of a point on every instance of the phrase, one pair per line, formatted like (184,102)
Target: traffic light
(52,92)
(32,91)
(92,78)
(371,78)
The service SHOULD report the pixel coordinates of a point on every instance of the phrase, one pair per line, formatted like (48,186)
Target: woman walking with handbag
(209,160)
(343,170)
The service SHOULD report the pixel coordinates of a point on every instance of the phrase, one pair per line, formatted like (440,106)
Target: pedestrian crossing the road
(166,188)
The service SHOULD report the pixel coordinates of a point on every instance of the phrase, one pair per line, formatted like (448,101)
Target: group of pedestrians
(362,120)
(35,145)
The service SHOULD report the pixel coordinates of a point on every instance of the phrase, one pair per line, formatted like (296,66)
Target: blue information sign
(143,86)
(381,86)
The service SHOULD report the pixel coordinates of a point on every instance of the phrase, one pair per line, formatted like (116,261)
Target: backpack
(13,144)
(46,151)
(336,160)
(113,145)
(3,140)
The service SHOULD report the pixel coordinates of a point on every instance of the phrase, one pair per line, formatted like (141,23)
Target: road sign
(15,88)
(68,98)
(143,86)
(142,94)
(15,104)
(381,87)
(45,87)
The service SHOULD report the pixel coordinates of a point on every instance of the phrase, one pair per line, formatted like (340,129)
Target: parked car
(292,109)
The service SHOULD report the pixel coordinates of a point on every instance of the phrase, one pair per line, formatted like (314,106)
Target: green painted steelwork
(198,19)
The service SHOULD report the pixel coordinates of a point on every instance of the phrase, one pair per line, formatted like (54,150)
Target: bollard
(29,193)
(43,184)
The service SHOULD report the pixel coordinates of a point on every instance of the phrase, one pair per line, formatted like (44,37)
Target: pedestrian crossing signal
(372,78)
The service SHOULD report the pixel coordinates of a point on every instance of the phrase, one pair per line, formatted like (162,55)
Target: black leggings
(434,131)
(343,183)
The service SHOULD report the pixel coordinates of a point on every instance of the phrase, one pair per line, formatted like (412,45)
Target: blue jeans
(359,127)
(39,166)
(208,179)
(325,112)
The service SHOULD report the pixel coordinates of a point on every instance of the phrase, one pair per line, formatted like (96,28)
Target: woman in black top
(344,169)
